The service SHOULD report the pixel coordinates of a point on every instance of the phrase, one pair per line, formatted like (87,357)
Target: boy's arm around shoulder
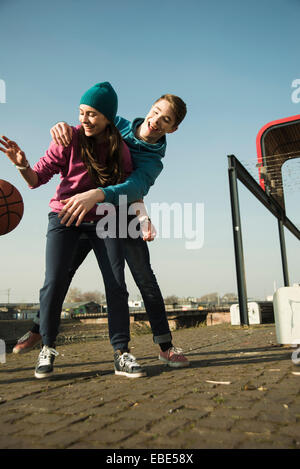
(137,185)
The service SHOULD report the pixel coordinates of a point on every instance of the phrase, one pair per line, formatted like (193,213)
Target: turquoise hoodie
(147,164)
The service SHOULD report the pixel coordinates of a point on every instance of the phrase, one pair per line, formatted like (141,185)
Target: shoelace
(24,337)
(176,350)
(128,359)
(45,355)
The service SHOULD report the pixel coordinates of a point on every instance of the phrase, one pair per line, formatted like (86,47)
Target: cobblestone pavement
(240,392)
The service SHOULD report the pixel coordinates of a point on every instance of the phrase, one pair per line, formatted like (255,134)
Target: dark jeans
(137,257)
(64,253)
(136,253)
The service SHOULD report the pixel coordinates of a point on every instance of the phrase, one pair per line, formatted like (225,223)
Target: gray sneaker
(126,365)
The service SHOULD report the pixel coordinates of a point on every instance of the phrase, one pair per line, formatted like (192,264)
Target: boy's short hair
(178,106)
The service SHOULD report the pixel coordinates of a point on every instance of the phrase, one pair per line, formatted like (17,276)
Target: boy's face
(158,122)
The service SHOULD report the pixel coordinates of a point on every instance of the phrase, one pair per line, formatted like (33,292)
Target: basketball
(11,207)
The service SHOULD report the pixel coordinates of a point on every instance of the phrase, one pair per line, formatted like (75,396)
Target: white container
(254,314)
(2,351)
(286,303)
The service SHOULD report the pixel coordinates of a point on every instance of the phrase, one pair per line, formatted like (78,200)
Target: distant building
(28,312)
(5,314)
(135,304)
(18,310)
(85,308)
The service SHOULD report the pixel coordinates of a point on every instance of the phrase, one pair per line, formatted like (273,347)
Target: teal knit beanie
(103,98)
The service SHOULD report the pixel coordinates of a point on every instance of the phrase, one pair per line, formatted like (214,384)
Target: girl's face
(93,122)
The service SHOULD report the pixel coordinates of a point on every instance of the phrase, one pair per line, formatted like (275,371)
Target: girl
(96,156)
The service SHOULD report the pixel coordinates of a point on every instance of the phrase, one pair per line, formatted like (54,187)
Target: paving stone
(281,417)
(86,406)
(106,435)
(18,442)
(215,423)
(61,439)
(204,438)
(255,426)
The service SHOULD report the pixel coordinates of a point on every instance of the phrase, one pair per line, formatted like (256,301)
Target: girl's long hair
(111,172)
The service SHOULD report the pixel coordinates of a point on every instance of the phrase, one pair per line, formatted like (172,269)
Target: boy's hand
(78,206)
(61,134)
(148,230)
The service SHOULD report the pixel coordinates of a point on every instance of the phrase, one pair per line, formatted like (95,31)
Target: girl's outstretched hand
(13,151)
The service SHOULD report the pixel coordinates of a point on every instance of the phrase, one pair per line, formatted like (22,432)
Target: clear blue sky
(232,62)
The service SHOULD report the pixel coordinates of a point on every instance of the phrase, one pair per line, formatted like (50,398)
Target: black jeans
(64,253)
(137,257)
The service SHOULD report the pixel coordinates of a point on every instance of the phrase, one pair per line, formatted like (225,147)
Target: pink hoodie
(73,173)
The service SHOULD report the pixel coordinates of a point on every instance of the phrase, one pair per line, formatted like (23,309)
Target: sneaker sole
(174,364)
(43,375)
(27,349)
(130,375)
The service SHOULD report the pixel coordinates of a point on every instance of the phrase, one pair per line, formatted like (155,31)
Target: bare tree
(210,298)
(75,295)
(171,300)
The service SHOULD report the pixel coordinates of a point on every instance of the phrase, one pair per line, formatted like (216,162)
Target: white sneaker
(44,366)
(126,365)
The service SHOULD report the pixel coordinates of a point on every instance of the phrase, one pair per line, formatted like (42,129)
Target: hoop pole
(238,242)
(283,254)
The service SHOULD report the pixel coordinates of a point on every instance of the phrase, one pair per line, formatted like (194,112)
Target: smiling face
(93,122)
(160,121)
